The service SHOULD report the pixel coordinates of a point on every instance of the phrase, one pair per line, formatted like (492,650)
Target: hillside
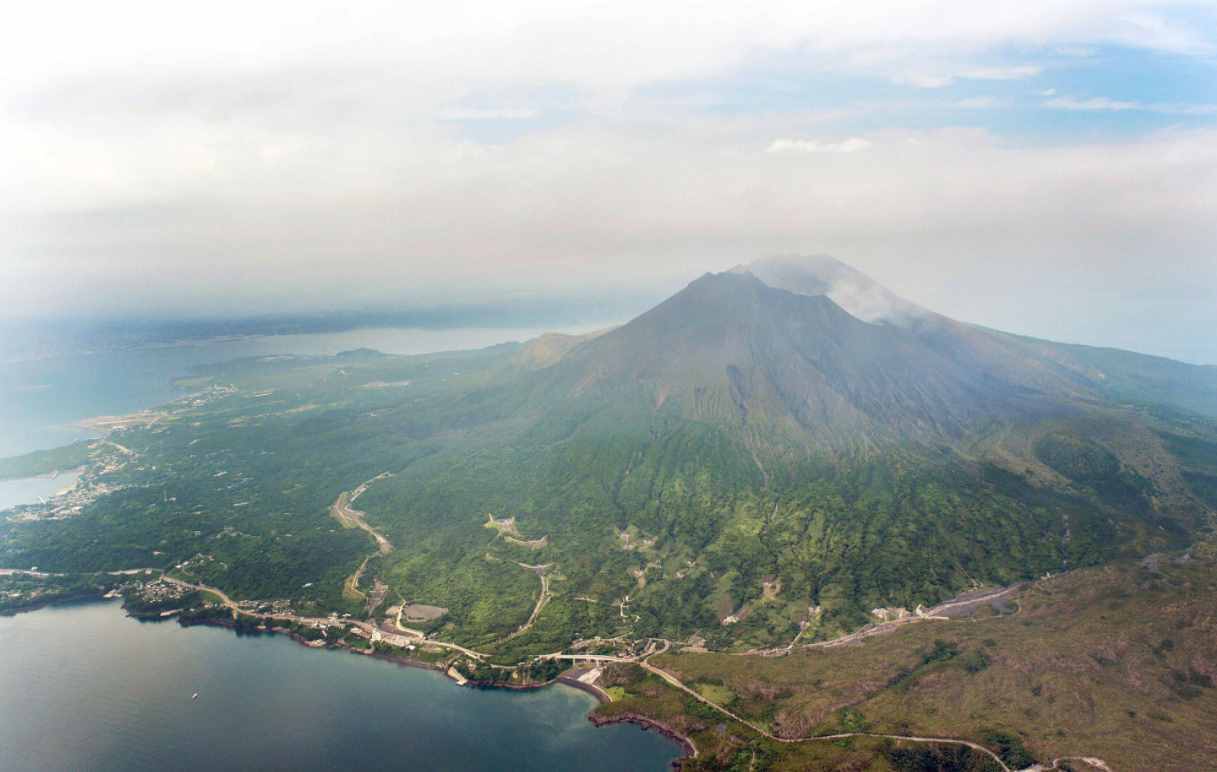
(742,464)
(1115,663)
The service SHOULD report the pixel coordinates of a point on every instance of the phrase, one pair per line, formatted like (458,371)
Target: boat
(194,696)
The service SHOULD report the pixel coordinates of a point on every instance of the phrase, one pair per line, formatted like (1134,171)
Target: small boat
(194,696)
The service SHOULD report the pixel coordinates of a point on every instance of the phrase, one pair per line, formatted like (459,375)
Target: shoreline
(688,749)
(647,723)
(62,600)
(600,695)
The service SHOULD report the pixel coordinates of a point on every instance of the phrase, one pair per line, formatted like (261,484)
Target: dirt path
(350,585)
(342,511)
(407,630)
(937,613)
(349,517)
(1090,761)
(676,683)
(123,448)
(542,599)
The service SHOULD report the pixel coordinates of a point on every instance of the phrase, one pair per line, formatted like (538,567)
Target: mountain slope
(743,463)
(732,350)
(1084,371)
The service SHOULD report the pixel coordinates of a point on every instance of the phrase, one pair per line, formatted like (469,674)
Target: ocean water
(84,687)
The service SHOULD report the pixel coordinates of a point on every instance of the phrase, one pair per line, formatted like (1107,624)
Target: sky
(1044,167)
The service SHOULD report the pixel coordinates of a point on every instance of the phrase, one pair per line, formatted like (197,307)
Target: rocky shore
(647,723)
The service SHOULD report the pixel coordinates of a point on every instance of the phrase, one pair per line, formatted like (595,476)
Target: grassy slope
(1117,662)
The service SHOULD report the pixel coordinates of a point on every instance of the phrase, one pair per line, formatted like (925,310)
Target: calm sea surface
(86,688)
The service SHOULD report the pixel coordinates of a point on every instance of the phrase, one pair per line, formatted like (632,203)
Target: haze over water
(41,398)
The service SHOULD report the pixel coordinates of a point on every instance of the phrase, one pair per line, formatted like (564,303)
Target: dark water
(86,688)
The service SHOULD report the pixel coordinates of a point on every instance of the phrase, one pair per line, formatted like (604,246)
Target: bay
(27,490)
(86,687)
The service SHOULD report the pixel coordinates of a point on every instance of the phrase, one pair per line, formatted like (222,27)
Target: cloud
(943,78)
(850,145)
(489,114)
(1016,72)
(371,218)
(979,103)
(923,80)
(304,153)
(1104,104)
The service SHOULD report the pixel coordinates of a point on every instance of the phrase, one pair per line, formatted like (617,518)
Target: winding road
(349,517)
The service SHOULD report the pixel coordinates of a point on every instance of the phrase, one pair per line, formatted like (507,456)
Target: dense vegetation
(20,592)
(1117,662)
(741,464)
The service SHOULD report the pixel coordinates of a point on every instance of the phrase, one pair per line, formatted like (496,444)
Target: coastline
(75,599)
(600,695)
(647,723)
(689,749)
(368,712)
(568,678)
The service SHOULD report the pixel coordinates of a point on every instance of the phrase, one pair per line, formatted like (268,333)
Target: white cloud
(850,145)
(577,41)
(978,103)
(234,148)
(489,114)
(942,77)
(1047,92)
(1017,72)
(1092,104)
(1105,104)
(923,80)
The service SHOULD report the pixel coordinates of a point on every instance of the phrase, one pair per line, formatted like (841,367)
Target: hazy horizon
(555,312)
(1050,170)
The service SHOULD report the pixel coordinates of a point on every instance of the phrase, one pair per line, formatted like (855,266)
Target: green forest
(643,520)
